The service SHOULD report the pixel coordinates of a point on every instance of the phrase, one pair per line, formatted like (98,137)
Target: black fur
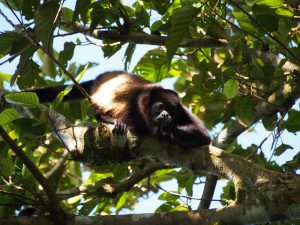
(146,108)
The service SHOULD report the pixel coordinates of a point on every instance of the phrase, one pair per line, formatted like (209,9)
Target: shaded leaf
(81,8)
(231,88)
(67,53)
(128,55)
(45,21)
(293,121)
(6,42)
(245,111)
(27,73)
(245,23)
(181,20)
(29,126)
(281,149)
(29,8)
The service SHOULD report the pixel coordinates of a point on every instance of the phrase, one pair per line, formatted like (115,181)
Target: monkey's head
(160,109)
(162,121)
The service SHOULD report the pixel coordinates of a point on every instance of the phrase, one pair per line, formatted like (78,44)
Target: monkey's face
(162,121)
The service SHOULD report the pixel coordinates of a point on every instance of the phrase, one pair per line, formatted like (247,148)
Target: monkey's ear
(144,101)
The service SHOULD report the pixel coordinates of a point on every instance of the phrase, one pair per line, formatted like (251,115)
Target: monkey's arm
(190,135)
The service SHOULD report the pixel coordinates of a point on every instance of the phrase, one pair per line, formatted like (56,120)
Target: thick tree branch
(148,39)
(237,214)
(142,37)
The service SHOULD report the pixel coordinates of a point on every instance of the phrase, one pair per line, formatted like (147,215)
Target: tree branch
(142,37)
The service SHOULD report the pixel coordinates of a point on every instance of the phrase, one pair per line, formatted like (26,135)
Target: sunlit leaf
(29,99)
(7,116)
(121,201)
(152,66)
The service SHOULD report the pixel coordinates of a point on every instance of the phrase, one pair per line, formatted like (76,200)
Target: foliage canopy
(230,60)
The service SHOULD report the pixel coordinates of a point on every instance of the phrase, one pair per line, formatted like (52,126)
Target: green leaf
(245,111)
(44,19)
(29,126)
(142,16)
(245,23)
(265,16)
(166,196)
(29,8)
(66,14)
(6,165)
(161,6)
(28,73)
(281,149)
(284,12)
(293,121)
(82,7)
(270,3)
(29,99)
(48,67)
(181,20)
(121,201)
(6,42)
(156,25)
(110,50)
(4,77)
(270,122)
(67,53)
(14,4)
(102,14)
(231,88)
(7,116)
(60,97)
(152,66)
(167,206)
(128,55)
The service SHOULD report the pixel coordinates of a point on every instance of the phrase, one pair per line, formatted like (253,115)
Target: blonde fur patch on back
(112,92)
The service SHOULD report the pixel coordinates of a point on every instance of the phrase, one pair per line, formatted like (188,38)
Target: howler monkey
(139,105)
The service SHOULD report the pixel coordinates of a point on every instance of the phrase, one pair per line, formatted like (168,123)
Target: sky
(91,53)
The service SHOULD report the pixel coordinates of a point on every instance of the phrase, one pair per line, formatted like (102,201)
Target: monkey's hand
(119,128)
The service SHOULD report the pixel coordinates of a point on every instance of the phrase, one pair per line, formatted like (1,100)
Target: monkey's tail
(48,94)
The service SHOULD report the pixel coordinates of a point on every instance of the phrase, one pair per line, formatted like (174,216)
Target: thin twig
(187,197)
(6,18)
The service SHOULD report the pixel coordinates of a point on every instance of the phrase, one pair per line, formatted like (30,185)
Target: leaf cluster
(228,60)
